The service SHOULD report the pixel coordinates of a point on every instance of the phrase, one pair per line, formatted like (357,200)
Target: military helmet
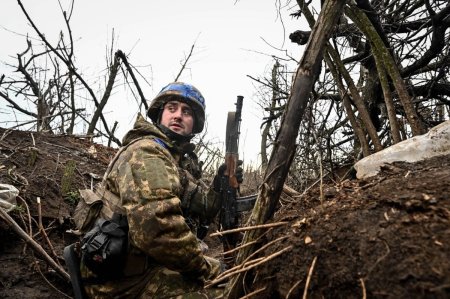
(183,92)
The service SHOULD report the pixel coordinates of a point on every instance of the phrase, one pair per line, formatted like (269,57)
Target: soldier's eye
(187,112)
(171,107)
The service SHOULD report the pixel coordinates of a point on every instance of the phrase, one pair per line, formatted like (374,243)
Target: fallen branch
(243,265)
(260,262)
(38,248)
(249,262)
(264,247)
(247,228)
(237,248)
(247,244)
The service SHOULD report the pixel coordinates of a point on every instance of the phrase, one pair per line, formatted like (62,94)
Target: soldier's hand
(239,174)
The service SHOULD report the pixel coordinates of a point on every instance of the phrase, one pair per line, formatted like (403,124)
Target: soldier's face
(178,117)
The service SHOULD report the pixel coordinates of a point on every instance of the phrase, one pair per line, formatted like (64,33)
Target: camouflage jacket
(153,180)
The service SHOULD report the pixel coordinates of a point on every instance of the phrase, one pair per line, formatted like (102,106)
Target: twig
(440,287)
(70,150)
(136,82)
(32,137)
(46,280)
(248,243)
(253,293)
(30,227)
(38,199)
(293,288)
(264,247)
(43,233)
(185,63)
(15,177)
(239,247)
(308,279)
(246,228)
(57,163)
(363,286)
(6,133)
(240,266)
(38,248)
(321,181)
(376,182)
(71,67)
(380,258)
(270,257)
(314,133)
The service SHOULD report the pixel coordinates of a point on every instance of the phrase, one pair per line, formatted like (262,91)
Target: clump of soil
(384,237)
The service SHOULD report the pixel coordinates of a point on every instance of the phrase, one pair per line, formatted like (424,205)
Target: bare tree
(56,87)
(384,80)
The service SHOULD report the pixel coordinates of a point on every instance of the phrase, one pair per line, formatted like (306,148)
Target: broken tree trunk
(285,144)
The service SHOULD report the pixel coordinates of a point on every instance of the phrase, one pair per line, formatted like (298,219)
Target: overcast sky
(229,38)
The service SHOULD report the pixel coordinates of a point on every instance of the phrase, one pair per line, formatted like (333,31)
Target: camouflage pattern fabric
(165,257)
(157,282)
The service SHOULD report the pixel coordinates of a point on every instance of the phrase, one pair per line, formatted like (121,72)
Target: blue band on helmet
(186,91)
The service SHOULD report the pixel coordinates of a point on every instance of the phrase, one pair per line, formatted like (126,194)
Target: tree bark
(285,144)
(395,130)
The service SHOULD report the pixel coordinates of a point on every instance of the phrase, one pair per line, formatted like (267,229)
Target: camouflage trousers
(157,282)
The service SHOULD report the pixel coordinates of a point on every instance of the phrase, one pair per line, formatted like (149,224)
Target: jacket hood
(144,128)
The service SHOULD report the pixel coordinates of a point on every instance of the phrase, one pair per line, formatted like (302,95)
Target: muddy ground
(384,237)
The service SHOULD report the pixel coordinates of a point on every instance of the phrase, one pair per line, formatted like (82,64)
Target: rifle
(229,185)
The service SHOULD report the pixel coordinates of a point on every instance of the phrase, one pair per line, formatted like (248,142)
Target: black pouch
(104,247)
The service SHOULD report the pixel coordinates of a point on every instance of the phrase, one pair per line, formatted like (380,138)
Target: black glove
(239,174)
(202,231)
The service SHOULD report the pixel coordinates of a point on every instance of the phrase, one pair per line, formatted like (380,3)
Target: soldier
(153,182)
